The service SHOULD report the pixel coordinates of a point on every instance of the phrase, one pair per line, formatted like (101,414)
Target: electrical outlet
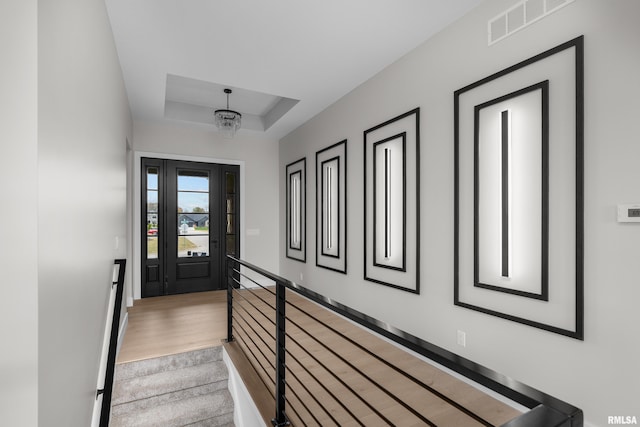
(462,338)
(301,277)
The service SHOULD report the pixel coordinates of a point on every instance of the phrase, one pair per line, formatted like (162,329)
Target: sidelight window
(152,213)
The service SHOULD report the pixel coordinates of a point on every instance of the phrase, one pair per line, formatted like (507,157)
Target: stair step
(185,389)
(142,404)
(213,409)
(221,421)
(167,363)
(161,383)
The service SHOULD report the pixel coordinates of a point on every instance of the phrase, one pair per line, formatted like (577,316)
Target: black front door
(189,224)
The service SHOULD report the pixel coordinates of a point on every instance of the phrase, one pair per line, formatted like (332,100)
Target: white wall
(258,157)
(18,218)
(83,124)
(600,374)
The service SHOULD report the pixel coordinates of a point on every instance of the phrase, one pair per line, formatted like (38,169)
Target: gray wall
(259,155)
(83,124)
(599,374)
(18,235)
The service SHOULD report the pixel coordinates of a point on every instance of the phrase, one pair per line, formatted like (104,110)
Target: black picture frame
(395,143)
(560,307)
(331,207)
(543,294)
(296,210)
(399,139)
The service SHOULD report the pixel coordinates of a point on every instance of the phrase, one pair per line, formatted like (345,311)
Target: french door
(190,220)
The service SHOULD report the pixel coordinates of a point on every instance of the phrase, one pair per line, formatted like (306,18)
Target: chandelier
(227,121)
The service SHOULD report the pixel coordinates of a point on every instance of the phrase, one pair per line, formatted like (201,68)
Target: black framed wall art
(331,207)
(296,210)
(519,192)
(392,202)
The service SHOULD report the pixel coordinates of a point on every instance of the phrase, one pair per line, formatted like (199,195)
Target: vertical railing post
(280,419)
(229,267)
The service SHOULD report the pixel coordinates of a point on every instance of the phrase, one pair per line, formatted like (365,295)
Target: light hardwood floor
(173,324)
(357,377)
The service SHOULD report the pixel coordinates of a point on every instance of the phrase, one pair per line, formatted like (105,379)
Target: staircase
(186,389)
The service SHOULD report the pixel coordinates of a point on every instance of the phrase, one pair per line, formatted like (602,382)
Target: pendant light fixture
(227,121)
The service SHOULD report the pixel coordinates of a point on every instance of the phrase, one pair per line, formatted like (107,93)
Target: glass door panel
(194,205)
(193,213)
(190,221)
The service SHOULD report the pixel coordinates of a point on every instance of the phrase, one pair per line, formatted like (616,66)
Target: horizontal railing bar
(502,384)
(289,409)
(244,293)
(542,416)
(292,406)
(337,377)
(407,375)
(256,332)
(262,271)
(324,387)
(266,288)
(251,296)
(240,284)
(239,317)
(508,387)
(257,309)
(247,288)
(302,384)
(244,344)
(361,373)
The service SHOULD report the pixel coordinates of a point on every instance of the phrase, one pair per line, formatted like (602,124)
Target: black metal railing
(283,339)
(107,389)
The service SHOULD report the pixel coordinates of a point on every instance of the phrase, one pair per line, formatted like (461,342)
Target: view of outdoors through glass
(193,213)
(152,212)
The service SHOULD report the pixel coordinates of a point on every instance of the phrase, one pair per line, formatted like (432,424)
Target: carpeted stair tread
(185,389)
(141,404)
(167,363)
(214,409)
(169,381)
(221,421)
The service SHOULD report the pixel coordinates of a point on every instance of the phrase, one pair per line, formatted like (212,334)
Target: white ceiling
(311,51)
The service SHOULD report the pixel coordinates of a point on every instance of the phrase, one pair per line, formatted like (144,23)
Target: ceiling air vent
(521,15)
